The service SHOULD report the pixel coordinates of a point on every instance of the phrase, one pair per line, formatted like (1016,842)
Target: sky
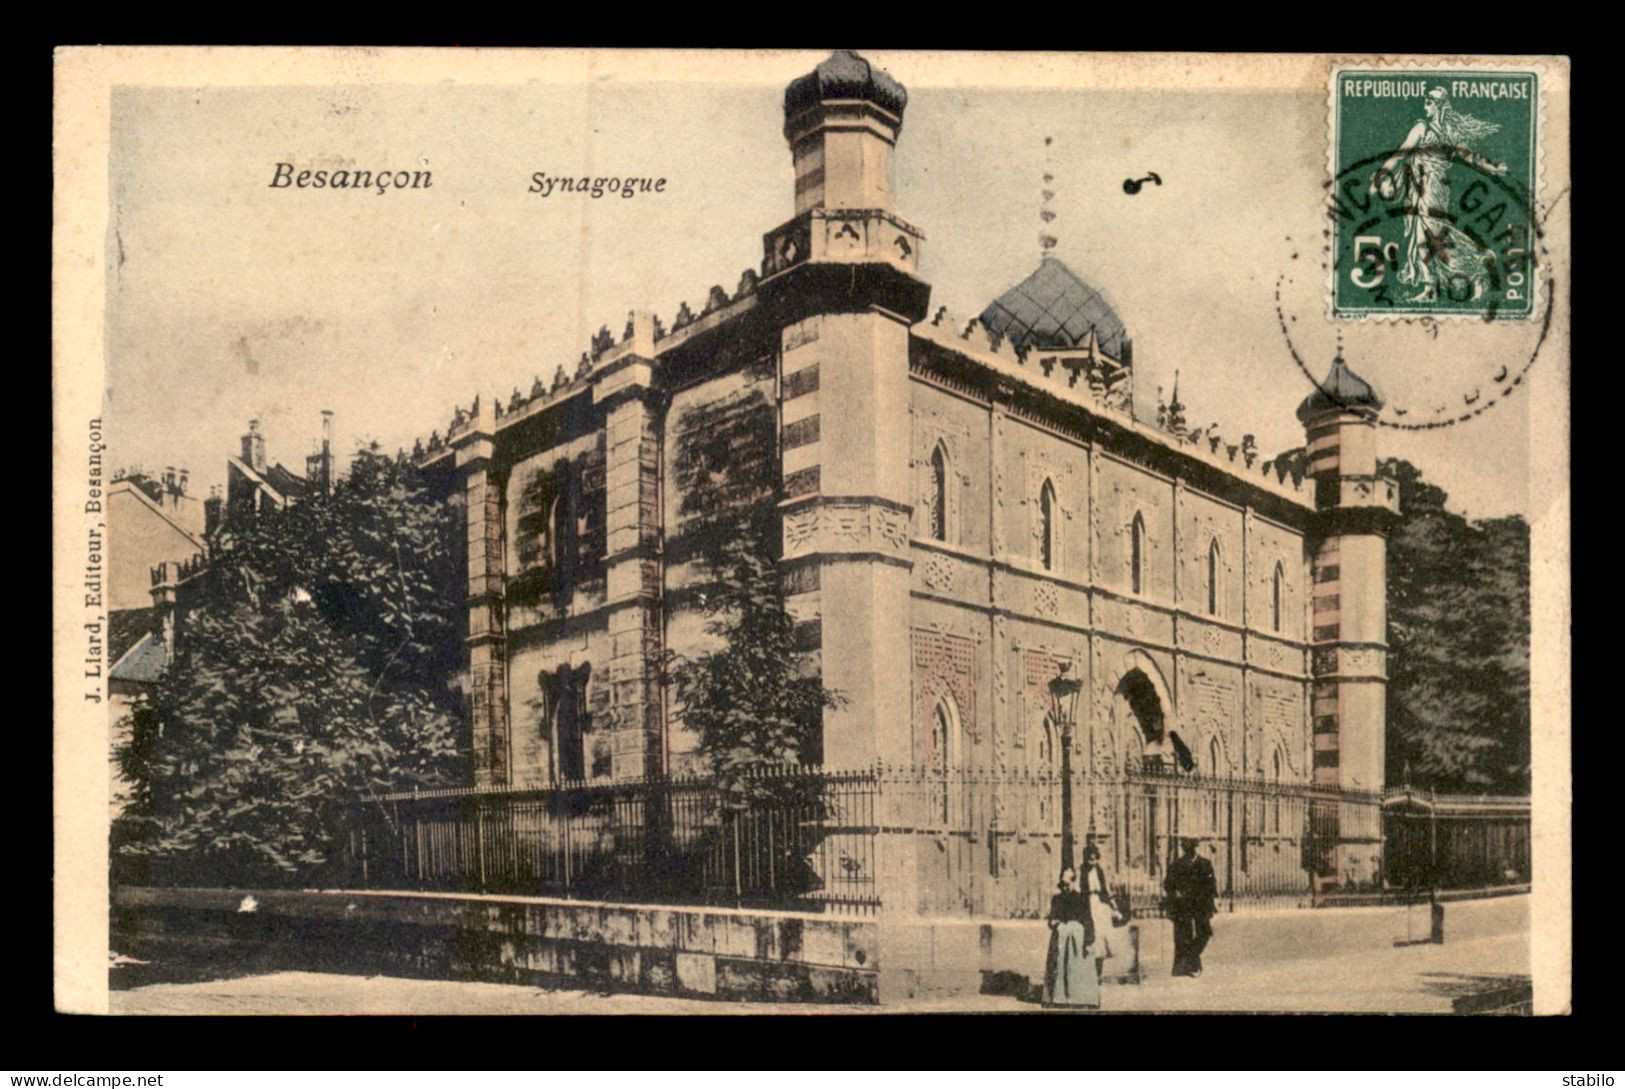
(229,300)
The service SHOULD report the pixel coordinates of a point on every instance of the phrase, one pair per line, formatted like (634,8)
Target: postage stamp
(1434,180)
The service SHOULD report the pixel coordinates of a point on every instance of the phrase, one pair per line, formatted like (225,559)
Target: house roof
(143,663)
(136,491)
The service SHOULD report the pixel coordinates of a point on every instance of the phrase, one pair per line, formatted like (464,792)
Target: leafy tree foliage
(313,668)
(1458,637)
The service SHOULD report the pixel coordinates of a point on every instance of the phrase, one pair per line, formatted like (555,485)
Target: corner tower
(1355,509)
(841,280)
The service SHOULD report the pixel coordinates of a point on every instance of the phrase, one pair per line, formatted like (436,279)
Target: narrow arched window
(555,530)
(1048,748)
(1277,584)
(1215,763)
(1213,578)
(939,494)
(1275,805)
(942,728)
(1046,526)
(1136,558)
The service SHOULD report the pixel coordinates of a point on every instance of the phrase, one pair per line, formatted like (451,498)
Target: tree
(749,700)
(313,670)
(1458,644)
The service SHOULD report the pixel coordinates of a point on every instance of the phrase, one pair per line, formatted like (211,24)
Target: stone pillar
(1349,617)
(634,415)
(487,630)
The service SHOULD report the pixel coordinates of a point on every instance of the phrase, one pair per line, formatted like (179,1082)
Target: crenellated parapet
(972,341)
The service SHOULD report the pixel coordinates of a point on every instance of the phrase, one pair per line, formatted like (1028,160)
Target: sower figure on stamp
(1191,891)
(1417,176)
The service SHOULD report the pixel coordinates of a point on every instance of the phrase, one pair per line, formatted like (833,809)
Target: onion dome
(1340,391)
(845,75)
(1052,308)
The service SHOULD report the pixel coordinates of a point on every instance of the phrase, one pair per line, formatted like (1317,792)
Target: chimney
(319,466)
(213,507)
(180,481)
(254,447)
(169,479)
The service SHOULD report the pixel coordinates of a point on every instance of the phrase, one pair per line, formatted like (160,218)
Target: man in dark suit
(1191,891)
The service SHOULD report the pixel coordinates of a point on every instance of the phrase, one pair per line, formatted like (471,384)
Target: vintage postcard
(574,531)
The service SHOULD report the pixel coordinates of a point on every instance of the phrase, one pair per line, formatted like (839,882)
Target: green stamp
(1434,173)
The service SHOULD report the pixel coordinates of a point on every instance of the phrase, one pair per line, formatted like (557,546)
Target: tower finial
(1047,241)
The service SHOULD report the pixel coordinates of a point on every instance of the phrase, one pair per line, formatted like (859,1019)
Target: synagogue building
(964,506)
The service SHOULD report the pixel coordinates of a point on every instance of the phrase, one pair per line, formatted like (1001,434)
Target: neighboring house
(159,543)
(254,483)
(150,522)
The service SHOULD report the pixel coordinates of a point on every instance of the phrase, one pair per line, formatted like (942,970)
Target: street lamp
(1063,694)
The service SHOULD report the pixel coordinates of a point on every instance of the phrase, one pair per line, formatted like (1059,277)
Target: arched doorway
(1147,809)
(1145,712)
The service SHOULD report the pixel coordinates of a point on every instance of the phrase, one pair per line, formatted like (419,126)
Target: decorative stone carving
(939,574)
(1361,661)
(846,526)
(799,529)
(1046,599)
(891,527)
(945,664)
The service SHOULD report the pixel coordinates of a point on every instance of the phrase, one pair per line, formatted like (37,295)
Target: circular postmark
(1456,274)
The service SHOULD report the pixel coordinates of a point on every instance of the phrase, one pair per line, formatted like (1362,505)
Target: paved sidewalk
(1408,979)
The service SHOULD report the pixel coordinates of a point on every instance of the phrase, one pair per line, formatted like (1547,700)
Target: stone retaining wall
(697,952)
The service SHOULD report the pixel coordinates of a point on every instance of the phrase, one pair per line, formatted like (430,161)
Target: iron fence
(1443,842)
(989,843)
(964,842)
(785,837)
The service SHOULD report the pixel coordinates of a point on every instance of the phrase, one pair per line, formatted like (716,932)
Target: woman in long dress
(1417,175)
(1102,911)
(1070,976)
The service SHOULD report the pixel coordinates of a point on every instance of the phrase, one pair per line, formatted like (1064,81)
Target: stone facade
(962,513)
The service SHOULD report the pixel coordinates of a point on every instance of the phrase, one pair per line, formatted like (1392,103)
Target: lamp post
(1063,694)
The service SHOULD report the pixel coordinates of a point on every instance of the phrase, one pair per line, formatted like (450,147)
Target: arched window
(1277,584)
(1213,578)
(939,494)
(1215,757)
(1136,558)
(1048,762)
(1046,526)
(565,702)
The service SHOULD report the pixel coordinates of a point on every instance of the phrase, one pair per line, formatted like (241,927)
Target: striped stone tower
(1349,621)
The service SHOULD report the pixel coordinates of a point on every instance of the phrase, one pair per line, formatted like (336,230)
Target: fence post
(1433,846)
(479,838)
(1230,846)
(738,895)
